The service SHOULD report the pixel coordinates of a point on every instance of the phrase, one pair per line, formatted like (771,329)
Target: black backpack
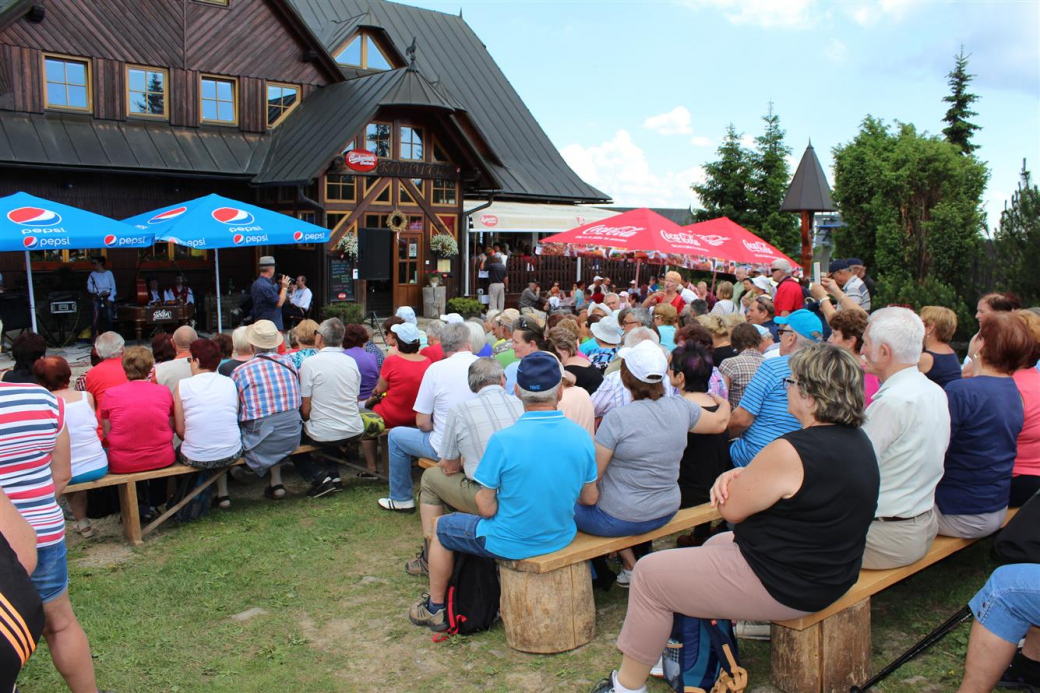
(473,595)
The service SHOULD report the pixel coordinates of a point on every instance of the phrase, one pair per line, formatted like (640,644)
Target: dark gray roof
(680,215)
(809,191)
(454,58)
(323,124)
(78,141)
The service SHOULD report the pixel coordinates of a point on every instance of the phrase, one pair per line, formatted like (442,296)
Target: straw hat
(264,335)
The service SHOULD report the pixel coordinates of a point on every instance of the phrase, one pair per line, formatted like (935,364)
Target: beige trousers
(895,544)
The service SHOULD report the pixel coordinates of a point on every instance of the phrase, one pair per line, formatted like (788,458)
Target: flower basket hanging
(444,245)
(347,245)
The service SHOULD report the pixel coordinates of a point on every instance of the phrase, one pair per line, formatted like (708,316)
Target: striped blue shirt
(766,399)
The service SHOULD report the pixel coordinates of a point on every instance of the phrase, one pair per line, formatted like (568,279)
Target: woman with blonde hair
(304,333)
(671,293)
(938,360)
(664,321)
(719,329)
(564,343)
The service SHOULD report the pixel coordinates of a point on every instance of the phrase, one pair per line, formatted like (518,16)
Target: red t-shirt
(403,378)
(789,297)
(434,352)
(140,438)
(677,302)
(99,380)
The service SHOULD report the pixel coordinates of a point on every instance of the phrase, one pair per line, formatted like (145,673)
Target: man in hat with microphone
(268,296)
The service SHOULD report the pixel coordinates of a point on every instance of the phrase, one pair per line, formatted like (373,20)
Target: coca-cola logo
(603,231)
(759,247)
(715,241)
(360,160)
(681,238)
(489,220)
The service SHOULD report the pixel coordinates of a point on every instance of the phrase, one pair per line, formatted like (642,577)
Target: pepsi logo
(232,216)
(30,242)
(238,238)
(111,240)
(34,216)
(298,236)
(167,215)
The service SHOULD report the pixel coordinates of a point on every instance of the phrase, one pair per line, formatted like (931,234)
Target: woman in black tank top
(938,361)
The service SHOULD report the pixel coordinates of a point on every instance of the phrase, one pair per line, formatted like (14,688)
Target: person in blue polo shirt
(527,501)
(762,416)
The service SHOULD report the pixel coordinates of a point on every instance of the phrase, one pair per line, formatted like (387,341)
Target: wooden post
(807,218)
(546,613)
(828,657)
(130,512)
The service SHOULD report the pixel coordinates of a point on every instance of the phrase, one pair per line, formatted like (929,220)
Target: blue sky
(637,95)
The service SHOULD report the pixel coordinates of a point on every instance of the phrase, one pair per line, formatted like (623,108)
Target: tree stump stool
(546,613)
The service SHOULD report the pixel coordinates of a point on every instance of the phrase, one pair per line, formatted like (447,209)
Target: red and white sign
(360,160)
(489,220)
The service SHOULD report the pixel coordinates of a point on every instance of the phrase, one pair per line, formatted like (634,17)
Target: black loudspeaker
(374,246)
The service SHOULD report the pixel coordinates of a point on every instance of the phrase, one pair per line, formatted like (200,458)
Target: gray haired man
(466,434)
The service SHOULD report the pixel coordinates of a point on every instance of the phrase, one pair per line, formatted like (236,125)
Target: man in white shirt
(908,424)
(180,293)
(102,287)
(445,384)
(329,385)
(299,300)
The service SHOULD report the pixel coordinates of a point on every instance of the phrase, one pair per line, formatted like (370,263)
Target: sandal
(85,529)
(368,476)
(276,492)
(224,502)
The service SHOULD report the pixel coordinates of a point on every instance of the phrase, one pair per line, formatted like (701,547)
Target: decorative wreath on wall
(396,221)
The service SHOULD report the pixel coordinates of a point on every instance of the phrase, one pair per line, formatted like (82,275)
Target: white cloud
(674,122)
(870,13)
(747,141)
(768,14)
(698,141)
(835,51)
(619,168)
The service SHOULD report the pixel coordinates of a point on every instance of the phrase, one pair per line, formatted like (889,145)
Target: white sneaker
(752,630)
(407,506)
(657,670)
(624,578)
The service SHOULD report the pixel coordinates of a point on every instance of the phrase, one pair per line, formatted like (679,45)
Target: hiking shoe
(607,685)
(417,566)
(752,630)
(407,506)
(420,615)
(624,578)
(321,488)
(337,483)
(1016,677)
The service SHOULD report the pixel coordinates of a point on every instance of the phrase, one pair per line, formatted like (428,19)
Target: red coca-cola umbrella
(727,240)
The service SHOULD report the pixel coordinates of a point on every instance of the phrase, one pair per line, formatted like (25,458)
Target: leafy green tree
(726,191)
(959,128)
(1018,240)
(770,178)
(912,206)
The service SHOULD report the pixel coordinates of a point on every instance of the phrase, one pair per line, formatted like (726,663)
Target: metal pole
(32,296)
(216,263)
(578,277)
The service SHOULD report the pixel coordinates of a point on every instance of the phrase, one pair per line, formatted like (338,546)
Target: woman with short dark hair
(26,349)
(162,348)
(354,338)
(801,511)
(205,416)
(89,461)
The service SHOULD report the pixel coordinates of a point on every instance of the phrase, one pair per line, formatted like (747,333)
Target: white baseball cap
(453,318)
(407,314)
(646,361)
(406,332)
(596,278)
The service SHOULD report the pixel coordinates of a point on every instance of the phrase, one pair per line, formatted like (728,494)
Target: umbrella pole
(32,296)
(216,264)
(714,271)
(639,262)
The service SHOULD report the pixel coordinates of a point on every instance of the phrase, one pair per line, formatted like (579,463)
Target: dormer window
(363,51)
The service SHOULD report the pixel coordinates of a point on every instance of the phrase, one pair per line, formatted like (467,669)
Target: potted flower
(444,245)
(347,246)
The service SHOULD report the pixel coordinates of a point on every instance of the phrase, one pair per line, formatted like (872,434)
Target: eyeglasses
(789,383)
(630,323)
(785,329)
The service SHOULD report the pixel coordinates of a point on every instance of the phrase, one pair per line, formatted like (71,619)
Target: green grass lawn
(328,575)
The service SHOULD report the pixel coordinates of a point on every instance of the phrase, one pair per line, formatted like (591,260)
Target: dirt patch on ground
(104,555)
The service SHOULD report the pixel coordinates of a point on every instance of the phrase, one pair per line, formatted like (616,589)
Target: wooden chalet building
(122,106)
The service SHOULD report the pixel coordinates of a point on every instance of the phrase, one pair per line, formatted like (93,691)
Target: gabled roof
(10,10)
(809,191)
(77,141)
(453,57)
(324,123)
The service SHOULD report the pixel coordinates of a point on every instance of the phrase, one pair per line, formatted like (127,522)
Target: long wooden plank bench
(547,603)
(831,649)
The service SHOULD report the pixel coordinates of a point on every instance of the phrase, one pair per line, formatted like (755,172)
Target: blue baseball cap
(804,322)
(838,265)
(538,372)
(853,261)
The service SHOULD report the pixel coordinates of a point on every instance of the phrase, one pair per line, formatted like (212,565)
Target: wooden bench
(831,649)
(427,463)
(547,604)
(127,490)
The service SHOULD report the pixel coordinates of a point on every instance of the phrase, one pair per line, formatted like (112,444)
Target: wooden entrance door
(410,253)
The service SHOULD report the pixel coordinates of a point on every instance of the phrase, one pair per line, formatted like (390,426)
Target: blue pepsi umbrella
(213,222)
(30,223)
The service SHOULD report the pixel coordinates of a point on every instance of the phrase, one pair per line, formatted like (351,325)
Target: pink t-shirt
(1027,462)
(140,438)
(870,387)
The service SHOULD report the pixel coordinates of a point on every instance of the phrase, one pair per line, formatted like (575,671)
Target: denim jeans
(458,532)
(405,443)
(591,520)
(1009,603)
